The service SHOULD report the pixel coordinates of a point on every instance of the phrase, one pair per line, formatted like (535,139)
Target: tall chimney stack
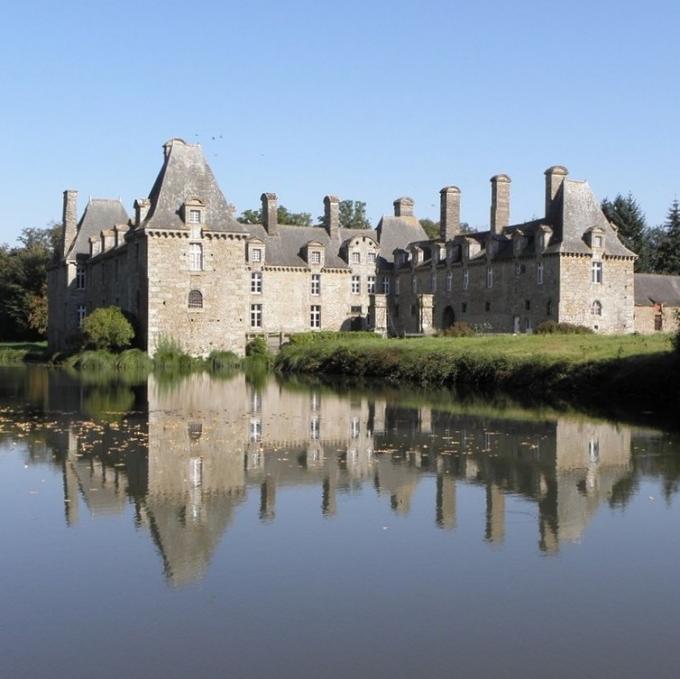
(69,220)
(331,215)
(142,206)
(449,215)
(500,203)
(403,207)
(270,217)
(554,178)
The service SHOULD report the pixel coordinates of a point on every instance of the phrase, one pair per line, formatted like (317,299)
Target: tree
(668,258)
(431,228)
(107,328)
(283,216)
(353,215)
(626,215)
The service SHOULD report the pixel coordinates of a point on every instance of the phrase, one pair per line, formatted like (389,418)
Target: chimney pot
(403,207)
(449,216)
(554,178)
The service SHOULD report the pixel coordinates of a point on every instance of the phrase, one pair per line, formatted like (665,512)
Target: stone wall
(646,319)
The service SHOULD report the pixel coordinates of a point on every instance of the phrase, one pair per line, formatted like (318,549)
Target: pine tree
(668,260)
(626,215)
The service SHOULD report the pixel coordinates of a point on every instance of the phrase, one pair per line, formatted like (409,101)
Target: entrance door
(448,318)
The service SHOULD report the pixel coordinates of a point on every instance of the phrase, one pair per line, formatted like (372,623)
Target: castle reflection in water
(187,455)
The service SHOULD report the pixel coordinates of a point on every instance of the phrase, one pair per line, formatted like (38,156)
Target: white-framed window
(466,279)
(489,277)
(596,272)
(596,308)
(194,216)
(598,241)
(195,299)
(386,285)
(449,281)
(356,285)
(315,316)
(371,257)
(539,273)
(316,284)
(397,285)
(370,285)
(256,255)
(356,258)
(315,257)
(433,283)
(256,282)
(80,277)
(82,312)
(414,285)
(195,257)
(255,315)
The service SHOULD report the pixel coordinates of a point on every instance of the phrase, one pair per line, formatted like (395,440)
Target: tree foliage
(23,284)
(283,215)
(625,213)
(353,215)
(107,328)
(431,228)
(668,252)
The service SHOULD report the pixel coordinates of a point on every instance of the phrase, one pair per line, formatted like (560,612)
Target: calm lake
(262,528)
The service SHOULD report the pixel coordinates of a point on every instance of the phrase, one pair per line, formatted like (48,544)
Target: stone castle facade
(185,269)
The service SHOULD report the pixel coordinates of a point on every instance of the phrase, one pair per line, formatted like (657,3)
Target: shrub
(257,347)
(459,329)
(555,328)
(108,329)
(223,361)
(676,335)
(170,356)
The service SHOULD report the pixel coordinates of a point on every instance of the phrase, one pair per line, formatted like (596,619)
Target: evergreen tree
(353,215)
(668,259)
(626,215)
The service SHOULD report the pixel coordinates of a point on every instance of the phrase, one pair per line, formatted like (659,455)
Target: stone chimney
(331,215)
(554,178)
(69,220)
(270,206)
(142,206)
(449,216)
(500,203)
(403,207)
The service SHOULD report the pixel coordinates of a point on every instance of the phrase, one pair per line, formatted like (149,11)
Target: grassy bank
(640,371)
(12,353)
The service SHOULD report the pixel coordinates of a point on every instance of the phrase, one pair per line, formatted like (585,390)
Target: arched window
(195,299)
(596,308)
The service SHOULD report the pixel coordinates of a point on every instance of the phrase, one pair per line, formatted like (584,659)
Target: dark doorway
(448,317)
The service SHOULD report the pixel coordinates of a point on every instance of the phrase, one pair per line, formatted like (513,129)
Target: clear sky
(364,99)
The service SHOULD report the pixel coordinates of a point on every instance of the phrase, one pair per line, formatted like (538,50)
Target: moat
(258,527)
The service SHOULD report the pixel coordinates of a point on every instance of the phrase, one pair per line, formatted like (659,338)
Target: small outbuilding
(657,302)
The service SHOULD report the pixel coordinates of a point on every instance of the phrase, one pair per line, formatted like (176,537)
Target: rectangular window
(464,307)
(598,241)
(315,257)
(597,272)
(386,285)
(255,315)
(194,216)
(371,257)
(466,279)
(539,273)
(356,285)
(356,258)
(315,316)
(80,277)
(314,428)
(370,286)
(489,278)
(256,255)
(195,257)
(449,281)
(356,310)
(82,312)
(316,284)
(256,282)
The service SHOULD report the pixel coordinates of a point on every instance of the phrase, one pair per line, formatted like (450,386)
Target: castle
(185,269)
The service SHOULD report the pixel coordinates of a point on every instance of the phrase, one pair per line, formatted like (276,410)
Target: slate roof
(186,175)
(651,288)
(100,214)
(398,232)
(286,247)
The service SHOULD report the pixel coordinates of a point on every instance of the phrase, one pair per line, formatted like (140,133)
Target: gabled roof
(651,288)
(100,214)
(396,233)
(186,175)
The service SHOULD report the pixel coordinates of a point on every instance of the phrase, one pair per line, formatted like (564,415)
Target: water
(225,528)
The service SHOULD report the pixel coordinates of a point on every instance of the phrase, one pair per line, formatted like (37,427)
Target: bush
(170,356)
(108,329)
(223,361)
(257,347)
(555,328)
(458,329)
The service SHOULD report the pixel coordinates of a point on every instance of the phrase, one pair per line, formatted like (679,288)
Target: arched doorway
(448,317)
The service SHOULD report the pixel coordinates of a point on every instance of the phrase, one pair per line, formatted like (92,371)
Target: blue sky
(367,100)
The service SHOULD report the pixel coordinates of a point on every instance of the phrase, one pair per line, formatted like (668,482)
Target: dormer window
(194,216)
(597,241)
(356,258)
(256,255)
(315,257)
(371,257)
(193,212)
